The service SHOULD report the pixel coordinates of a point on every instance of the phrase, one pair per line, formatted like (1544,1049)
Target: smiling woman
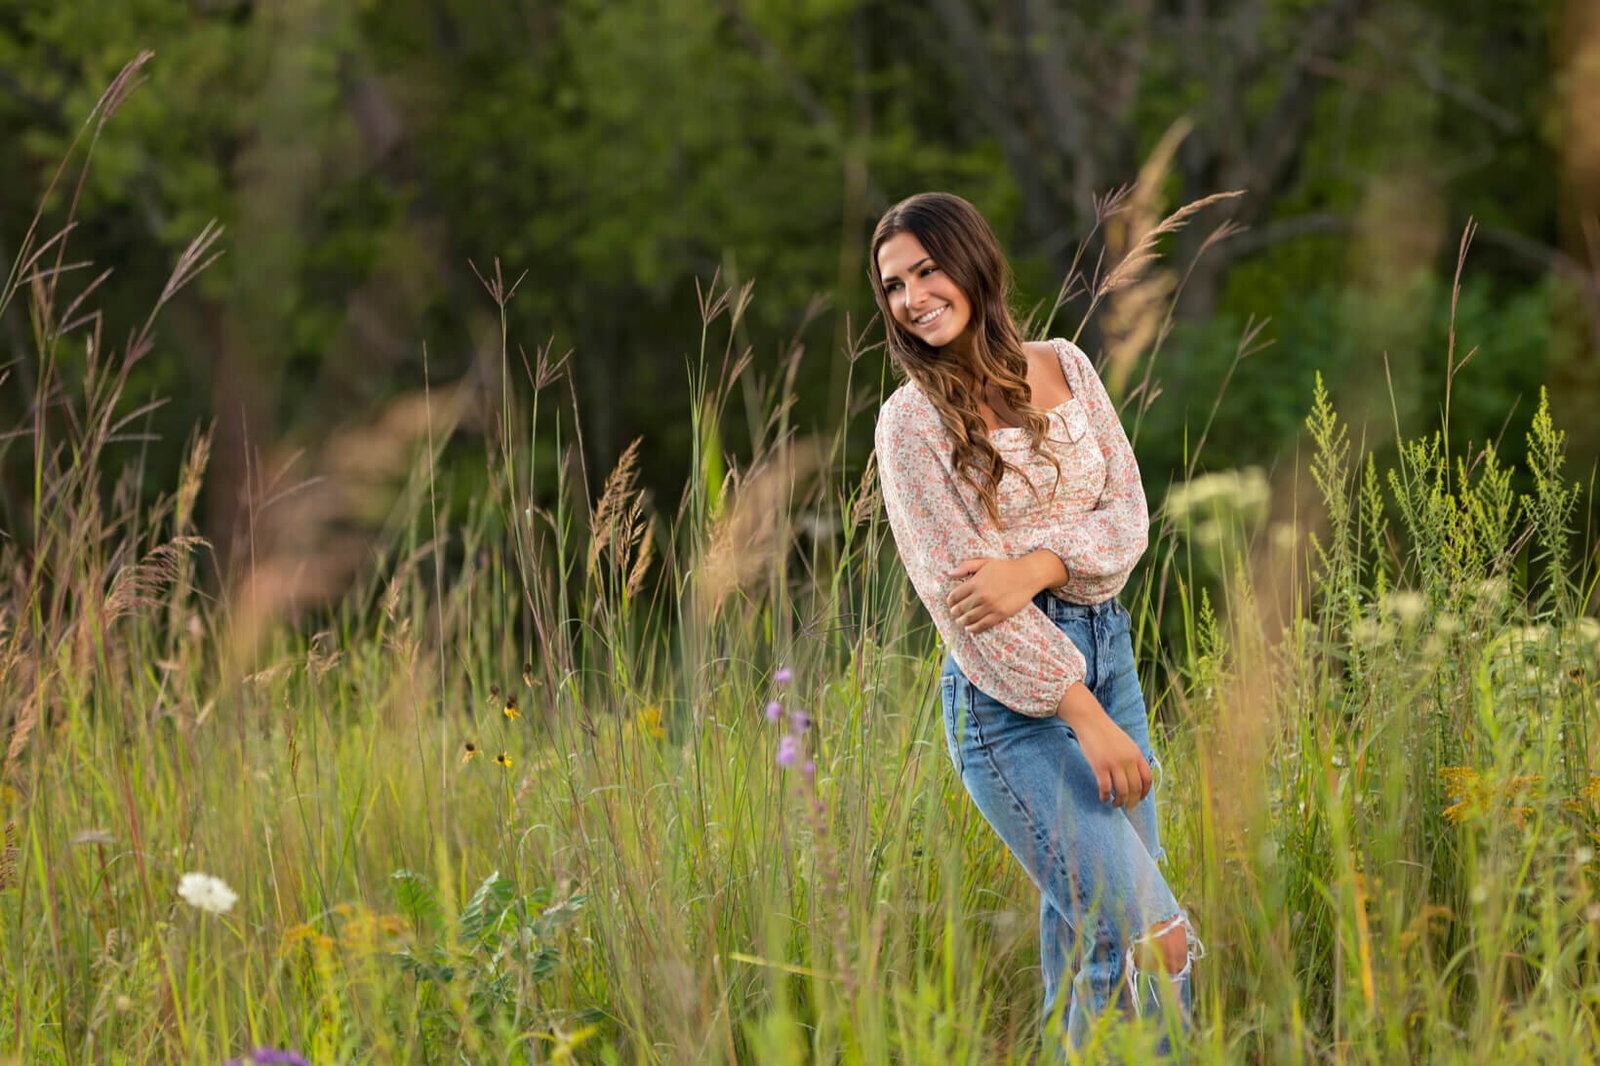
(1043,714)
(927,303)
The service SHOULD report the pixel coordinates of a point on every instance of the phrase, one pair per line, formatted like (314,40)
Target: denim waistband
(1059,610)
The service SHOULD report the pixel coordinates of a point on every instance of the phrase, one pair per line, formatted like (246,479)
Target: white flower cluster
(207,893)
(1214,509)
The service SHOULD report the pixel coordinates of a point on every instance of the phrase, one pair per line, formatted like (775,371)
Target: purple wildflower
(799,721)
(788,750)
(774,711)
(810,767)
(783,676)
(266,1056)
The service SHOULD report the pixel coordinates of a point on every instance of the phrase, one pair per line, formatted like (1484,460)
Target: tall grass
(500,784)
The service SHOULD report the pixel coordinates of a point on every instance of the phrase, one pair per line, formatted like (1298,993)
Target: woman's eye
(928,270)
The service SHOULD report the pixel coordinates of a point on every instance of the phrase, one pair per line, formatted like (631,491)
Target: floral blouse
(1098,523)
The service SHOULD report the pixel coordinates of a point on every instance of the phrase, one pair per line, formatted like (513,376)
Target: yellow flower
(511,708)
(504,760)
(650,720)
(470,752)
(293,935)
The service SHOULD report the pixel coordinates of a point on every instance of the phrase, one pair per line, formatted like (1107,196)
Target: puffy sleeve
(1025,662)
(1107,541)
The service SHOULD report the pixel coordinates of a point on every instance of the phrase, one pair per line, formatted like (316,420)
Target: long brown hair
(953,232)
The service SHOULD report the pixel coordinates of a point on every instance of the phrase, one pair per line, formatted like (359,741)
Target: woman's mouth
(928,318)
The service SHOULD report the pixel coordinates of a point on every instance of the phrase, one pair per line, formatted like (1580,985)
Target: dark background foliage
(362,154)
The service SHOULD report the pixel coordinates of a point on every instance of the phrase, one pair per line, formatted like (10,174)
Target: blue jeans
(1095,865)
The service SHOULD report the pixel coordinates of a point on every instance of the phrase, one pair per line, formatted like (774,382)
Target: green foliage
(1380,798)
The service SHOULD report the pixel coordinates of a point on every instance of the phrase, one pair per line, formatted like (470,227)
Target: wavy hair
(953,232)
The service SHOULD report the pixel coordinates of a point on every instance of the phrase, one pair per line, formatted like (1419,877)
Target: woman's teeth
(930,316)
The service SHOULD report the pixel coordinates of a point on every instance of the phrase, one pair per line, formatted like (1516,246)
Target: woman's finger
(1119,784)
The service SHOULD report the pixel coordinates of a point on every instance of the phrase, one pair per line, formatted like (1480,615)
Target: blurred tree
(362,154)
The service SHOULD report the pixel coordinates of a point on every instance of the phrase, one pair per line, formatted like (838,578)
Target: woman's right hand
(1118,764)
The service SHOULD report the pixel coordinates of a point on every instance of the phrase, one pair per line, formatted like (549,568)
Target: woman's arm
(993,590)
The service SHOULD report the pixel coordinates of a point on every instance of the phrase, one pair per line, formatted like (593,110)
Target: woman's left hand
(995,590)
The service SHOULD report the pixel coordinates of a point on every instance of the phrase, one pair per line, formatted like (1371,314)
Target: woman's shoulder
(1075,363)
(907,407)
(907,415)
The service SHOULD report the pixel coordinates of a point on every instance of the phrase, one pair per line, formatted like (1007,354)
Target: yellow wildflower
(293,935)
(650,721)
(504,760)
(511,708)
(470,751)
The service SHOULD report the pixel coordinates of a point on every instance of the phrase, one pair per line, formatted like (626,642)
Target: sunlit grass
(513,792)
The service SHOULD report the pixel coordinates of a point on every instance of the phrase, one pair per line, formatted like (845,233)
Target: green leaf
(416,899)
(482,913)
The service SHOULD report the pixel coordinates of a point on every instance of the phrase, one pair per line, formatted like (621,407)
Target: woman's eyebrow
(919,262)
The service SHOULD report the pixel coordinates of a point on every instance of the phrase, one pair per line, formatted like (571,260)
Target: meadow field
(556,776)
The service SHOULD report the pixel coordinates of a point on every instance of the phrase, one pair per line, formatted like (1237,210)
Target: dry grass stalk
(310,538)
(1140,298)
(753,532)
(618,517)
(139,585)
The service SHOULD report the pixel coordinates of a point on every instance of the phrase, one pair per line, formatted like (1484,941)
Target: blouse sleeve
(1109,540)
(1025,662)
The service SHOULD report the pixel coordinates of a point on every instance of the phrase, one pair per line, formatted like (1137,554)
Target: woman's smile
(923,299)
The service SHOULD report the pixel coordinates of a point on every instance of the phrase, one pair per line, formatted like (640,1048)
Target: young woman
(1018,512)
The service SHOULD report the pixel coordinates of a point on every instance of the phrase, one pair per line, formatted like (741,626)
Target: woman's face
(922,297)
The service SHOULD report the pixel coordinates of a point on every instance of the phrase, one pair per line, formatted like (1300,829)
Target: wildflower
(799,721)
(494,692)
(504,760)
(810,768)
(783,676)
(527,674)
(469,751)
(266,1056)
(788,750)
(1370,632)
(293,935)
(650,720)
(511,708)
(1407,605)
(774,711)
(207,893)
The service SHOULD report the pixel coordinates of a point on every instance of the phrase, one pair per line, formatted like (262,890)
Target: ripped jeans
(1095,865)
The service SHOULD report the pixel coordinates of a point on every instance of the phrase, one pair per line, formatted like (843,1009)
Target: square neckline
(1059,408)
